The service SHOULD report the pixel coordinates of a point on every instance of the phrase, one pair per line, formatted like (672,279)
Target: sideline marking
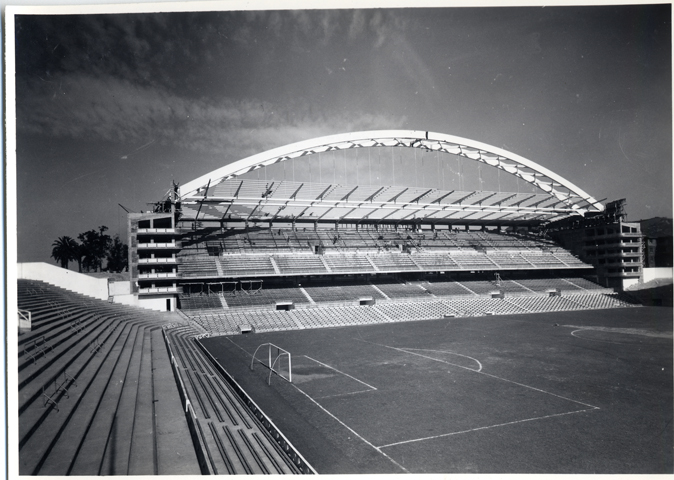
(486,428)
(447,351)
(339,371)
(349,428)
(487,374)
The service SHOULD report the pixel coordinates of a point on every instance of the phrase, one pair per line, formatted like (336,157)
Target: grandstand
(229,253)
(279,242)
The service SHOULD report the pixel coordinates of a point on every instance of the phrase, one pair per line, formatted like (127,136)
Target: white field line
(626,331)
(333,416)
(485,428)
(350,429)
(447,351)
(343,394)
(487,374)
(339,371)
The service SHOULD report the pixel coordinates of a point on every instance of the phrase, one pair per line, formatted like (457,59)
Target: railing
(161,290)
(59,386)
(25,321)
(160,245)
(142,261)
(36,347)
(159,275)
(157,230)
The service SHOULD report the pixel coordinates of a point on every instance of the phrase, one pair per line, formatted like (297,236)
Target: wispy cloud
(110,109)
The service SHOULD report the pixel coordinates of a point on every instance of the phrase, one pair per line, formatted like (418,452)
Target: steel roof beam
(509,162)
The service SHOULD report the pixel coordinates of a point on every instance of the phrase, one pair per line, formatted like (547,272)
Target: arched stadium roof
(559,198)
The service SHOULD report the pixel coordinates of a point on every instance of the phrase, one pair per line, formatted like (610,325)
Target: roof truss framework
(564,191)
(220,195)
(260,201)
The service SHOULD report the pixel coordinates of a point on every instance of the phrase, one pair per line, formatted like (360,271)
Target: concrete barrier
(64,278)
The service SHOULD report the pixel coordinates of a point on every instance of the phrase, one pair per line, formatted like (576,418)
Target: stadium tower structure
(227,232)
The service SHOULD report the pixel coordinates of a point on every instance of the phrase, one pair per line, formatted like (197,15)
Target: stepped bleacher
(398,290)
(88,402)
(321,316)
(331,305)
(97,395)
(342,292)
(344,262)
(231,436)
(283,251)
(289,264)
(197,265)
(242,265)
(266,296)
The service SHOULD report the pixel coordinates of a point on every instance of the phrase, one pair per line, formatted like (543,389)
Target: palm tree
(117,256)
(77,254)
(94,248)
(63,250)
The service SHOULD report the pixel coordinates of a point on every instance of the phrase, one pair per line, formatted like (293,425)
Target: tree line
(94,247)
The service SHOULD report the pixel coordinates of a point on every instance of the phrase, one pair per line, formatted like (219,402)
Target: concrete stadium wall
(63,278)
(156,303)
(125,299)
(119,288)
(655,273)
(153,303)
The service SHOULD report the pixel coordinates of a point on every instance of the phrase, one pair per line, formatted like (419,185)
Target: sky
(111,108)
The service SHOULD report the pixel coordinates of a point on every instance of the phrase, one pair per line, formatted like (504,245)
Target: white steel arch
(565,191)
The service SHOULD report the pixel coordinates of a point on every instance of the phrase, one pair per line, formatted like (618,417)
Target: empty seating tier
(200,302)
(288,264)
(342,292)
(405,309)
(395,262)
(234,440)
(194,265)
(348,263)
(95,387)
(246,265)
(400,290)
(268,296)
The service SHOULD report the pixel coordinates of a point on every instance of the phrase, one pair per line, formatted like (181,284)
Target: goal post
(275,361)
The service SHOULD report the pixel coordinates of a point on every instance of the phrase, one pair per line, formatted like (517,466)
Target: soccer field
(568,392)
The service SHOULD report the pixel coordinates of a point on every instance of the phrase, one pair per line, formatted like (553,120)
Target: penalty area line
(487,427)
(343,394)
(349,428)
(339,371)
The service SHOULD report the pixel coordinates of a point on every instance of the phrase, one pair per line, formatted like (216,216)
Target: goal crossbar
(275,354)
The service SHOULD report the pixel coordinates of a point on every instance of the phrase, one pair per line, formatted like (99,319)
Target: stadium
(368,302)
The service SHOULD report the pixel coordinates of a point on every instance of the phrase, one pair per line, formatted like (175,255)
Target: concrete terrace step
(175,451)
(72,420)
(69,358)
(143,439)
(56,328)
(118,448)
(62,342)
(107,421)
(105,424)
